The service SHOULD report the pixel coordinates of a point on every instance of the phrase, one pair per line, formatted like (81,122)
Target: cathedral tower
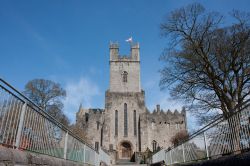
(124,102)
(124,70)
(126,126)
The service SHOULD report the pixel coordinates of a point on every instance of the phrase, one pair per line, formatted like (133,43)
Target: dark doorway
(125,150)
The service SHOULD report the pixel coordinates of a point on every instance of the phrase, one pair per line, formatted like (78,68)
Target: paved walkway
(239,160)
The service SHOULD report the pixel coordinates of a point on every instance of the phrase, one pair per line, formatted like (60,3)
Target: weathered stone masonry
(126,125)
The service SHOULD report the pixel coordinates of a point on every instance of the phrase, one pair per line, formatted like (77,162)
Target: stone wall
(11,157)
(92,121)
(161,126)
(115,101)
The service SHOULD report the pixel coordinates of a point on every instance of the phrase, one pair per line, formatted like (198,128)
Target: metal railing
(25,126)
(221,137)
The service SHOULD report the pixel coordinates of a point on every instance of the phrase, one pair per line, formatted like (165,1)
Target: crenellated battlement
(124,70)
(89,113)
(115,56)
(166,117)
(114,45)
(96,111)
(158,110)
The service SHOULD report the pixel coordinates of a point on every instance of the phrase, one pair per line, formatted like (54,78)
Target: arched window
(125,76)
(97,146)
(102,135)
(168,125)
(135,131)
(177,126)
(97,125)
(154,144)
(116,123)
(86,117)
(125,120)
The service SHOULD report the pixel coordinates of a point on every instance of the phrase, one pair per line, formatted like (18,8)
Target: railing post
(65,146)
(171,162)
(20,125)
(84,152)
(183,153)
(205,140)
(165,156)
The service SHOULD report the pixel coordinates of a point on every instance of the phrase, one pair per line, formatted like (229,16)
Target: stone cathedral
(125,126)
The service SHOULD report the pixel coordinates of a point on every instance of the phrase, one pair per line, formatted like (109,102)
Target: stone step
(133,164)
(123,162)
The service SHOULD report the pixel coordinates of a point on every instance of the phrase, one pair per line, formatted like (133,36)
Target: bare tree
(207,64)
(48,95)
(179,137)
(80,132)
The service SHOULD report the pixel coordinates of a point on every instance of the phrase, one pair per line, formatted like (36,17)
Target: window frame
(125,120)
(125,76)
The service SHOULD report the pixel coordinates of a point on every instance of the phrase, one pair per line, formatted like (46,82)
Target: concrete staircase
(128,163)
(133,164)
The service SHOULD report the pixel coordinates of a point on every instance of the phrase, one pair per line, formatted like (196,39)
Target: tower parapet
(113,51)
(135,51)
(124,70)
(115,56)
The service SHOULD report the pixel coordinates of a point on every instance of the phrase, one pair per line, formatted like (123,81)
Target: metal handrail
(198,132)
(219,137)
(52,119)
(15,107)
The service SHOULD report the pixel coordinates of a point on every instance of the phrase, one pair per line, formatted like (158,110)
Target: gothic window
(125,120)
(97,125)
(153,125)
(101,135)
(154,144)
(116,122)
(177,126)
(125,76)
(135,131)
(86,117)
(139,133)
(111,147)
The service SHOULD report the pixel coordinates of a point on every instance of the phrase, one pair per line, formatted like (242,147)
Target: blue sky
(68,41)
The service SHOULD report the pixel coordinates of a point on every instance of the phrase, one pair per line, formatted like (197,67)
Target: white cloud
(80,91)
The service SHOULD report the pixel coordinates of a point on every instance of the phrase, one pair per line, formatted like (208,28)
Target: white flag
(129,40)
